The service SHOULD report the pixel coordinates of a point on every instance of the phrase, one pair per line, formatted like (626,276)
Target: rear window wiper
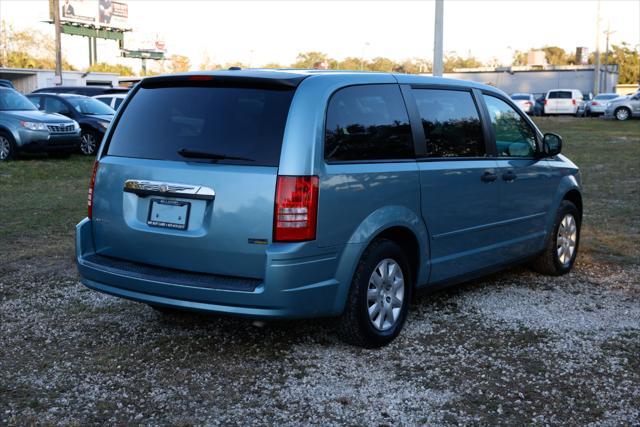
(194,154)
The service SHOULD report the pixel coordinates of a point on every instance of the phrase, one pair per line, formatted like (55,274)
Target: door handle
(509,176)
(488,177)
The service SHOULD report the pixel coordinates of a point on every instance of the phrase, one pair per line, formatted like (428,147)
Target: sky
(259,32)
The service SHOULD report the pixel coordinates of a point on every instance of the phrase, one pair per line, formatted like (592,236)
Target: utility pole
(606,58)
(56,24)
(438,65)
(596,77)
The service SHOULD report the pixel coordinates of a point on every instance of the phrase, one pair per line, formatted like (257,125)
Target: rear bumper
(293,286)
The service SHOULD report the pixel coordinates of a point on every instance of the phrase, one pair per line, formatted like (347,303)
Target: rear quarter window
(231,121)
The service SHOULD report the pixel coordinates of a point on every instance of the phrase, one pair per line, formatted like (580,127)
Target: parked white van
(562,101)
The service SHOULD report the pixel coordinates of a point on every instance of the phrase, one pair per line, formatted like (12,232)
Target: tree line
(35,49)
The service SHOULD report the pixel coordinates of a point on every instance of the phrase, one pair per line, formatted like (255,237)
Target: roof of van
(293,77)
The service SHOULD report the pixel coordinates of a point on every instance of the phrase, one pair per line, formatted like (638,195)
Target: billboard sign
(97,13)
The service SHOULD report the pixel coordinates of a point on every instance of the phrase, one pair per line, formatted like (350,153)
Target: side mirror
(551,144)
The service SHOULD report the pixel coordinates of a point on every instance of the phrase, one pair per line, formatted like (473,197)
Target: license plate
(169,214)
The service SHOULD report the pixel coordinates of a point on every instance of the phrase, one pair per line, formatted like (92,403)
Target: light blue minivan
(291,194)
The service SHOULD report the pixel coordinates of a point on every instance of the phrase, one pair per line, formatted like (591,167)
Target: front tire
(8,148)
(88,143)
(622,113)
(561,250)
(378,300)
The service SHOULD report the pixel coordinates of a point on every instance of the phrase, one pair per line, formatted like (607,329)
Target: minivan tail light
(91,186)
(573,101)
(545,102)
(296,209)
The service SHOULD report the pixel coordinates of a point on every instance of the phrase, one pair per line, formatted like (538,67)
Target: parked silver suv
(623,108)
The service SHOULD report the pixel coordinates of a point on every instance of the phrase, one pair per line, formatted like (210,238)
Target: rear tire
(561,249)
(8,148)
(379,297)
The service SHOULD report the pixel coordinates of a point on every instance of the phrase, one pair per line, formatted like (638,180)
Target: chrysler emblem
(164,188)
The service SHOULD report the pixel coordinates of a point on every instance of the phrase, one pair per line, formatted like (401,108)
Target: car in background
(563,101)
(92,115)
(583,107)
(6,83)
(25,129)
(112,100)
(525,101)
(83,90)
(623,108)
(597,105)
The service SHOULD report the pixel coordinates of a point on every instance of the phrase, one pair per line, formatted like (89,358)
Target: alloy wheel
(622,114)
(88,143)
(385,294)
(566,239)
(5,148)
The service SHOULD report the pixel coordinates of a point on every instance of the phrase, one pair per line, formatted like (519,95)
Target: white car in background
(113,100)
(525,101)
(563,101)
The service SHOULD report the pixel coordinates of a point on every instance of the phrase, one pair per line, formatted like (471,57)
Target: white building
(27,80)
(539,79)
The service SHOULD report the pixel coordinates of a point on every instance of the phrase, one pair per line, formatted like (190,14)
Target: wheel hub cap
(566,239)
(385,294)
(5,148)
(88,144)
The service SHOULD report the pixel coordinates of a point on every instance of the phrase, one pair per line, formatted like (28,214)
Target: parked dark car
(25,129)
(82,90)
(92,115)
(6,83)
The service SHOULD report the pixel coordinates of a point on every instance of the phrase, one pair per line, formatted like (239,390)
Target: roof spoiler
(222,80)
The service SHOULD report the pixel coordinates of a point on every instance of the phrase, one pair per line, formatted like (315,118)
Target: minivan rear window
(520,97)
(560,95)
(245,125)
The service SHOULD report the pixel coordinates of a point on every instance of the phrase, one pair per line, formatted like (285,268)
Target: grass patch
(608,154)
(43,199)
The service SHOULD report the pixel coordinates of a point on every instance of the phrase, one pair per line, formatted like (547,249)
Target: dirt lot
(513,348)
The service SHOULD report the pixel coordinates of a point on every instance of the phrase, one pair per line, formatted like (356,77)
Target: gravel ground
(514,348)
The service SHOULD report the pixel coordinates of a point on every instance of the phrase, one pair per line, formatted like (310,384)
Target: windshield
(238,125)
(90,106)
(10,100)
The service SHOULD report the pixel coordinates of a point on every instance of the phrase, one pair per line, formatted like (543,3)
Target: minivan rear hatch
(187,176)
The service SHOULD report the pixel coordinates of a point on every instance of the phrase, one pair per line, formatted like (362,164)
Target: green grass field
(42,199)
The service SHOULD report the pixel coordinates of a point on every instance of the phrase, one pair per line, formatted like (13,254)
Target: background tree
(29,48)
(179,64)
(381,64)
(273,65)
(103,67)
(208,64)
(309,59)
(557,56)
(454,61)
(628,63)
(352,63)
